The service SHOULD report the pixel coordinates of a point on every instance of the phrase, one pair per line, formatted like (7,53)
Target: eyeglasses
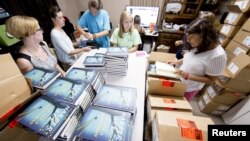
(40,29)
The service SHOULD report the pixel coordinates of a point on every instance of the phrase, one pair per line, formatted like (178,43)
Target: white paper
(225,29)
(238,50)
(233,68)
(246,41)
(211,91)
(231,17)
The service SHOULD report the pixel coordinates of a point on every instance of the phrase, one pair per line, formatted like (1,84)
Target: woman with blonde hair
(34,51)
(126,35)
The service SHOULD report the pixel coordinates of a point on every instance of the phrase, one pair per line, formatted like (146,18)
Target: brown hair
(21,26)
(208,33)
(95,4)
(123,16)
(207,15)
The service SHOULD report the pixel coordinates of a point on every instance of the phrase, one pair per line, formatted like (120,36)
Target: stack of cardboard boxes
(234,20)
(167,109)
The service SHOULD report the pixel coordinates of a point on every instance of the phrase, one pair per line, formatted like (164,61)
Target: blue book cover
(66,90)
(80,75)
(112,50)
(116,97)
(45,116)
(94,61)
(41,77)
(100,124)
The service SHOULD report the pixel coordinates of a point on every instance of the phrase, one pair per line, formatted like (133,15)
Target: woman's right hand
(178,43)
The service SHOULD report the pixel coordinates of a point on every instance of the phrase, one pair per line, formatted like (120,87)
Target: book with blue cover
(71,92)
(116,97)
(101,124)
(94,61)
(81,75)
(41,78)
(46,116)
(117,51)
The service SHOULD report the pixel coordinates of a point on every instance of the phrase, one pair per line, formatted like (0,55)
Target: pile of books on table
(96,62)
(116,60)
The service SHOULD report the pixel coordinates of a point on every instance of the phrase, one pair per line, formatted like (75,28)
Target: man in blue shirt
(97,21)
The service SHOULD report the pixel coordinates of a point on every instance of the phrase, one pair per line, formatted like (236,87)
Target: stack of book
(96,62)
(68,91)
(101,124)
(116,60)
(41,78)
(116,97)
(82,75)
(51,118)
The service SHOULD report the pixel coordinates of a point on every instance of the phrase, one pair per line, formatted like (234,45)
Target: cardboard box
(238,114)
(161,57)
(235,17)
(166,87)
(167,103)
(235,84)
(246,26)
(18,134)
(172,127)
(230,56)
(239,68)
(243,38)
(236,48)
(14,88)
(163,48)
(224,40)
(219,94)
(229,30)
(208,106)
(244,5)
(5,39)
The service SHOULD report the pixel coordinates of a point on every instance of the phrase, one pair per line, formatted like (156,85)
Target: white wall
(72,8)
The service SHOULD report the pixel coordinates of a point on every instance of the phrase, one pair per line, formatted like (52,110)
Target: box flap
(166,87)
(9,67)
(178,103)
(233,8)
(161,57)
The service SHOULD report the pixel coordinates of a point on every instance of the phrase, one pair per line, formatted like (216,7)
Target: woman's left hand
(182,74)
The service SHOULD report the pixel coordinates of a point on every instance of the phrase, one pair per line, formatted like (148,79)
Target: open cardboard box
(161,57)
(167,87)
(15,90)
(173,126)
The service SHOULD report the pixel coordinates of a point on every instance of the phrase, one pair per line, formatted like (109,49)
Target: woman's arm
(60,70)
(204,79)
(134,48)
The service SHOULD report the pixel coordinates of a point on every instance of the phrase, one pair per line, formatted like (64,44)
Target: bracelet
(94,36)
(187,76)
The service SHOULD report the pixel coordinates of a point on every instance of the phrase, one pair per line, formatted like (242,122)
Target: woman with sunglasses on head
(34,51)
(97,21)
(204,61)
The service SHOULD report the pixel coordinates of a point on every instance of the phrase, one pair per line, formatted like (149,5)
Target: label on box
(241,4)
(211,92)
(167,100)
(217,87)
(233,68)
(231,17)
(217,112)
(246,41)
(222,108)
(191,133)
(238,50)
(206,99)
(185,123)
(201,105)
(225,29)
(223,79)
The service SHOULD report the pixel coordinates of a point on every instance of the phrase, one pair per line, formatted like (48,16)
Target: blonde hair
(207,15)
(21,26)
(123,16)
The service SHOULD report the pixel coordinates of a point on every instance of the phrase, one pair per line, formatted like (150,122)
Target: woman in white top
(205,60)
(64,47)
